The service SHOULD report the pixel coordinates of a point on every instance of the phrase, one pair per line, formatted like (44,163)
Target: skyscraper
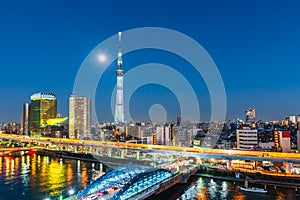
(119,109)
(25,119)
(79,117)
(43,107)
(250,115)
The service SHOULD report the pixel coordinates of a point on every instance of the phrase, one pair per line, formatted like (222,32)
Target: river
(208,189)
(41,177)
(37,177)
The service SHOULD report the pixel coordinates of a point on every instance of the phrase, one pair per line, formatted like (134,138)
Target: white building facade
(79,117)
(246,138)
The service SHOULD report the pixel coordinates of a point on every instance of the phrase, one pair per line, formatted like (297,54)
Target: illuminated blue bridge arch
(128,181)
(113,179)
(141,183)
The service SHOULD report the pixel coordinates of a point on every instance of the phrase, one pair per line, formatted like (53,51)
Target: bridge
(132,150)
(136,181)
(17,151)
(119,153)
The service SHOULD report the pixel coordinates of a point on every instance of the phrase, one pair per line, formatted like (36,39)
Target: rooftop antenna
(120,52)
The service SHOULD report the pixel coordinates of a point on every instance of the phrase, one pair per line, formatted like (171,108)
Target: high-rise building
(25,119)
(246,138)
(282,141)
(163,134)
(292,119)
(178,121)
(43,107)
(119,109)
(79,117)
(250,115)
(298,118)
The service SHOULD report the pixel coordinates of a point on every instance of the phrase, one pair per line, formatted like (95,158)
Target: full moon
(102,58)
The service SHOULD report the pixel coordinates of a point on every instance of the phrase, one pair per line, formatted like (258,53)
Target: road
(175,150)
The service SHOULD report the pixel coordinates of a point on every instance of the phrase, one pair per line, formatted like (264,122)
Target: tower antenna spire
(120,52)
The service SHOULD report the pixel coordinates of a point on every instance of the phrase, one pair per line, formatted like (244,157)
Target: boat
(253,189)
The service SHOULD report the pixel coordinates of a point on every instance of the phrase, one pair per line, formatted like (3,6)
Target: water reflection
(0,166)
(36,176)
(56,179)
(212,189)
(201,190)
(205,188)
(224,191)
(280,196)
(238,195)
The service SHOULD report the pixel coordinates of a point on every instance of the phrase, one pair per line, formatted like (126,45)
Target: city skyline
(254,45)
(149,99)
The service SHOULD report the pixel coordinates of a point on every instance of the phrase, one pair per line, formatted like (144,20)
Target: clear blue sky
(255,44)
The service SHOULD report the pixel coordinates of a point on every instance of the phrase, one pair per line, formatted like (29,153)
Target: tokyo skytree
(119,110)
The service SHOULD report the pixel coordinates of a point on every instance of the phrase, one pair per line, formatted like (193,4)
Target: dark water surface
(37,177)
(209,189)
